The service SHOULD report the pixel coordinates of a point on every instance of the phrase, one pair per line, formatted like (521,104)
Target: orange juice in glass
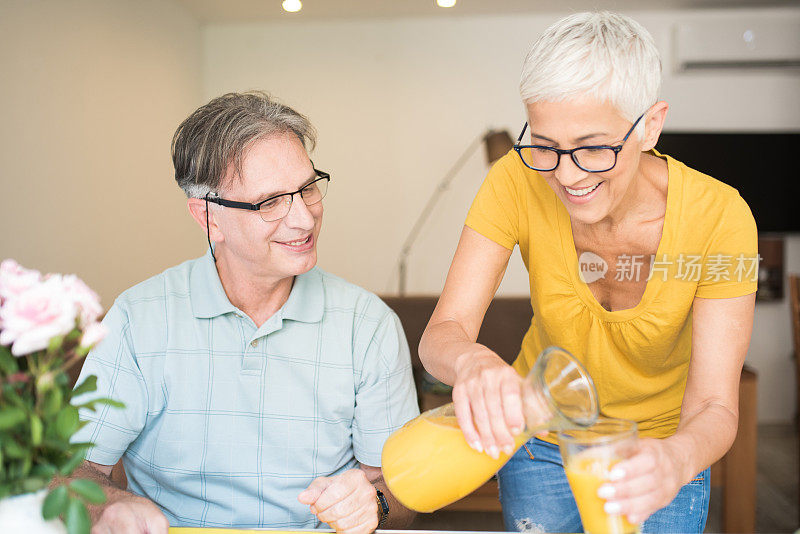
(589,455)
(428,464)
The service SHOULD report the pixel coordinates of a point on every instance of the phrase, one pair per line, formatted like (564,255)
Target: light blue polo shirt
(224,423)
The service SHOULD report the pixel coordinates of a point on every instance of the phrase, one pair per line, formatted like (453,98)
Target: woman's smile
(582,195)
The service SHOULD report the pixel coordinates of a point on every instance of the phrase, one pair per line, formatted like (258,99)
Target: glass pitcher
(427,464)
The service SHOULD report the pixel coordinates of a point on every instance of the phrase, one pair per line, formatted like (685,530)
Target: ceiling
(237,11)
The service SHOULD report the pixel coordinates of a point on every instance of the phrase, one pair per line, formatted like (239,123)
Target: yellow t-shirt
(638,357)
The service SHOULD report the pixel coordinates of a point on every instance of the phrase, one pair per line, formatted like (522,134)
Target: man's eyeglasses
(277,207)
(595,158)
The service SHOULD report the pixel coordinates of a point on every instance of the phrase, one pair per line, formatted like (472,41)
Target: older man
(258,389)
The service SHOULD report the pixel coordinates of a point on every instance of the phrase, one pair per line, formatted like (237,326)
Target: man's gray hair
(218,134)
(604,55)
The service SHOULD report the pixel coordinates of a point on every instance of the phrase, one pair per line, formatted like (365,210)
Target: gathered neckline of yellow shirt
(674,192)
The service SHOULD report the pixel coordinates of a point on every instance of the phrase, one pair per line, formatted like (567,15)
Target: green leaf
(88,385)
(8,363)
(56,444)
(37,429)
(88,490)
(53,399)
(10,417)
(76,518)
(14,449)
(55,503)
(103,400)
(31,484)
(80,446)
(55,344)
(75,335)
(69,466)
(62,379)
(13,397)
(14,470)
(27,464)
(67,422)
(44,470)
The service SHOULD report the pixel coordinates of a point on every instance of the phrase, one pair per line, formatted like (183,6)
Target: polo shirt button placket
(253,360)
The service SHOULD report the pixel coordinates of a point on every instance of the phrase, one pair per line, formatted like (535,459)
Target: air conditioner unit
(746,43)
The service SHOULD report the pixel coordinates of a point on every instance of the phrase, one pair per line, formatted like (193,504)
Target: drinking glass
(589,455)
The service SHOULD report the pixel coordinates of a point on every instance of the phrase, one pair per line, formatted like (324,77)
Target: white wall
(397,101)
(91,93)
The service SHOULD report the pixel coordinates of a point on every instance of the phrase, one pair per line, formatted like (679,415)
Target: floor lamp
(497,143)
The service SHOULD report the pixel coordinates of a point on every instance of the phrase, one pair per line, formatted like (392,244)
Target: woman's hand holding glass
(646,482)
(488,398)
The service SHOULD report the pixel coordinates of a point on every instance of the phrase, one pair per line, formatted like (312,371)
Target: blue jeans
(536,497)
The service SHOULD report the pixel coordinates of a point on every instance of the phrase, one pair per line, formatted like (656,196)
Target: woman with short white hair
(641,267)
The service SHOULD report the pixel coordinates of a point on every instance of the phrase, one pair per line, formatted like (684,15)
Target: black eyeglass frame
(562,151)
(321,175)
(257,207)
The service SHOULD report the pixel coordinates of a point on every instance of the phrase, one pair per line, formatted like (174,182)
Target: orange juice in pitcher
(421,458)
(428,464)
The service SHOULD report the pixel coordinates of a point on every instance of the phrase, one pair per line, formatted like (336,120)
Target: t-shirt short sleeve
(386,398)
(730,266)
(495,211)
(112,429)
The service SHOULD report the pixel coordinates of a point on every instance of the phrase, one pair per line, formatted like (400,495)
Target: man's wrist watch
(383,507)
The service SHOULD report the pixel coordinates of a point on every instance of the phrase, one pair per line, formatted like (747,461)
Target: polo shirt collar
(207,294)
(306,302)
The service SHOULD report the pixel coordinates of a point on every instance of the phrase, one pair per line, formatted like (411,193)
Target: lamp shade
(498,143)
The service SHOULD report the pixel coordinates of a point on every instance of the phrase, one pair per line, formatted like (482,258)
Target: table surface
(197,530)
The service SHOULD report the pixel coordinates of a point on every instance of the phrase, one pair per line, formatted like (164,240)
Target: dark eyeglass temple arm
(208,232)
(519,139)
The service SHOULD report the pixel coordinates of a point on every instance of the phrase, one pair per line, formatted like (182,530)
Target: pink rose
(86,299)
(38,314)
(93,335)
(14,279)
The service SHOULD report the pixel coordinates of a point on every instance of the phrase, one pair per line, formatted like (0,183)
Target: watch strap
(383,507)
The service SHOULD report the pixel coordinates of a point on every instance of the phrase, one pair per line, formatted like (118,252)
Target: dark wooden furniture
(736,471)
(794,303)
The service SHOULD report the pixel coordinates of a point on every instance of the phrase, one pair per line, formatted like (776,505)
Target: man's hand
(134,515)
(347,502)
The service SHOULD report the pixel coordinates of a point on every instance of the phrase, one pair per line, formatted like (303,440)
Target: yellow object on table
(199,530)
